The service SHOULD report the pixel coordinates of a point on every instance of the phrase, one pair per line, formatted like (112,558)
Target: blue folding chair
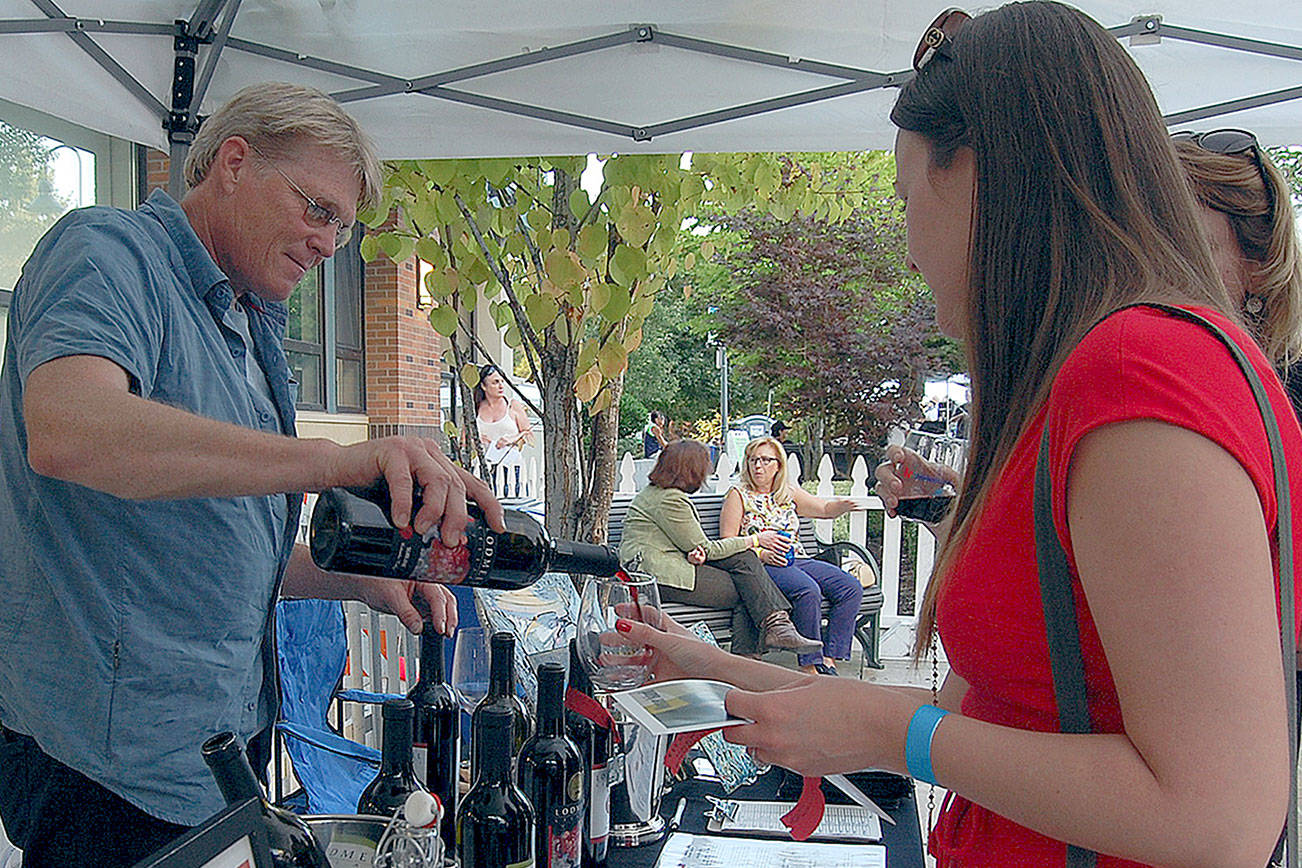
(312,644)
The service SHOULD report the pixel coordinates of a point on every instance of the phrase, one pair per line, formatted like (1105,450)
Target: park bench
(708,507)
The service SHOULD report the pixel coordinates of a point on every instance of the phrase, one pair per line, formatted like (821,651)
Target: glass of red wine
(929,487)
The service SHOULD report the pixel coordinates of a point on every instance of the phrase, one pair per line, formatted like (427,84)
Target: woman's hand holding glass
(906,474)
(773,541)
(611,659)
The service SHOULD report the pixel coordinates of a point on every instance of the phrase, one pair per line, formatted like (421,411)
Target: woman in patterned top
(766,501)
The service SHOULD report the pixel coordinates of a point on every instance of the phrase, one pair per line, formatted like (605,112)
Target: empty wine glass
(470,667)
(612,661)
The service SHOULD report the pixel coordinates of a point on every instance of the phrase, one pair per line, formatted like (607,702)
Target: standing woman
(1042,198)
(765,500)
(503,429)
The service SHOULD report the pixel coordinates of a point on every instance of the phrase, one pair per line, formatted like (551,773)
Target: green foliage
(23,160)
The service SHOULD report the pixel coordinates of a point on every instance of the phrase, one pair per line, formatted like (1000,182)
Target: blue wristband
(917,743)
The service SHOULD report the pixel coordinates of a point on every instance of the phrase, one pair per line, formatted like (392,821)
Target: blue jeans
(805,584)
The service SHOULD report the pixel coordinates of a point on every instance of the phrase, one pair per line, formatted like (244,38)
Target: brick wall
(403,352)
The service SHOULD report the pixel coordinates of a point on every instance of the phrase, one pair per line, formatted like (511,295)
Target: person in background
(150,482)
(779,431)
(1038,220)
(653,435)
(765,500)
(664,530)
(503,429)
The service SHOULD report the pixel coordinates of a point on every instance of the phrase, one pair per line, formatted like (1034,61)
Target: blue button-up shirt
(132,630)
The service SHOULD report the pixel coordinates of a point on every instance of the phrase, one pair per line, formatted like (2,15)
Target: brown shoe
(777,631)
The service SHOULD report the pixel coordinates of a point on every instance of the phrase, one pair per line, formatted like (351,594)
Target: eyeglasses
(1229,143)
(936,39)
(314,213)
(763,460)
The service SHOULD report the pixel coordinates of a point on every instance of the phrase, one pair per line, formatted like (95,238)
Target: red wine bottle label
(420,762)
(438,563)
(599,810)
(564,841)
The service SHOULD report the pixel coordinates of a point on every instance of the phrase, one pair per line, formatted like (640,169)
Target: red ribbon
(804,818)
(682,743)
(583,704)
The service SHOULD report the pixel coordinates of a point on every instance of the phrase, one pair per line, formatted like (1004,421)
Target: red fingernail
(623,625)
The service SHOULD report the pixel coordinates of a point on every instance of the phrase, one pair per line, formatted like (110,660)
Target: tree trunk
(562,482)
(595,509)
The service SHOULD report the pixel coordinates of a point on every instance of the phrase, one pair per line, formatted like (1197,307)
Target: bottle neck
(235,778)
(432,669)
(495,754)
(395,756)
(501,677)
(551,709)
(576,558)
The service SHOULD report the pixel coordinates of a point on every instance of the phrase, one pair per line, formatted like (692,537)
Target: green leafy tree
(23,160)
(571,281)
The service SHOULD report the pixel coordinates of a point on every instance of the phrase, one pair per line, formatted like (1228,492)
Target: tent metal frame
(207,32)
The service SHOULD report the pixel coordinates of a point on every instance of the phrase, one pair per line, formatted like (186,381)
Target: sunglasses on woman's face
(936,39)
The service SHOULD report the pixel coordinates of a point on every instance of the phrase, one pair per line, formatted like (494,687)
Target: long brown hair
(1079,209)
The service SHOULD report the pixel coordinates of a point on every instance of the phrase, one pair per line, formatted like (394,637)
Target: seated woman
(664,528)
(764,500)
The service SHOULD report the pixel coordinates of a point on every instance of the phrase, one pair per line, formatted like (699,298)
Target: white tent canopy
(528,77)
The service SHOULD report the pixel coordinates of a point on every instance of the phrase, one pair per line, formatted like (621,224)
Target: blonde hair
(1258,203)
(277,117)
(781,492)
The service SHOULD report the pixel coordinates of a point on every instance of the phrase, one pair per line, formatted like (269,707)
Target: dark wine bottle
(550,772)
(501,694)
(292,843)
(495,821)
(928,509)
(387,793)
(595,743)
(436,746)
(352,533)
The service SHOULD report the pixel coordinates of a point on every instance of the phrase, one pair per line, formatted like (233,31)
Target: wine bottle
(352,533)
(436,745)
(551,775)
(501,694)
(292,843)
(595,743)
(387,793)
(495,821)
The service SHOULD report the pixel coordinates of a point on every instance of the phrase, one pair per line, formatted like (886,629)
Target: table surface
(903,840)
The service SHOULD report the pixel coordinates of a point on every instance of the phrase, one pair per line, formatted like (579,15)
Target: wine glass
(929,492)
(611,660)
(470,667)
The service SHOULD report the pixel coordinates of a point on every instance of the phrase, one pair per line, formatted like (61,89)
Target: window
(324,335)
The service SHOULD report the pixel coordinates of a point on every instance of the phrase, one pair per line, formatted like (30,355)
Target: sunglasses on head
(1230,143)
(936,39)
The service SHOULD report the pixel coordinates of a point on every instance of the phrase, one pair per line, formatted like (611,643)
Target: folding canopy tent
(526,77)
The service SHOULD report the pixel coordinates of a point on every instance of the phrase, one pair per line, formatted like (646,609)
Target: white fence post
(627,483)
(724,470)
(823,526)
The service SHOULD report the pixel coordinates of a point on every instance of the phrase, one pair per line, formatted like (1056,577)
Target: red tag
(582,703)
(804,818)
(682,743)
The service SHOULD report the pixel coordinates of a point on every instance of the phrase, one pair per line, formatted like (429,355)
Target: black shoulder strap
(1059,602)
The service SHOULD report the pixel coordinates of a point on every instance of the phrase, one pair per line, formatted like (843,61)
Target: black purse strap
(1059,601)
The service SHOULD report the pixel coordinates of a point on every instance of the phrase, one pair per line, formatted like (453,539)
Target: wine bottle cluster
(540,796)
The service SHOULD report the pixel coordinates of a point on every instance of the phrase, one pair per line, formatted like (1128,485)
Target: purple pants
(805,584)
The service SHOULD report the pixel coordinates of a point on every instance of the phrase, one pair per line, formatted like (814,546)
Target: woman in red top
(1042,195)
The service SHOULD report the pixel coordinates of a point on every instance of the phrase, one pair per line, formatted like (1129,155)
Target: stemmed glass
(470,667)
(929,493)
(611,660)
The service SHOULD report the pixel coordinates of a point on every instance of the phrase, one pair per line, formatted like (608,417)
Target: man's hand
(407,599)
(696,556)
(404,461)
